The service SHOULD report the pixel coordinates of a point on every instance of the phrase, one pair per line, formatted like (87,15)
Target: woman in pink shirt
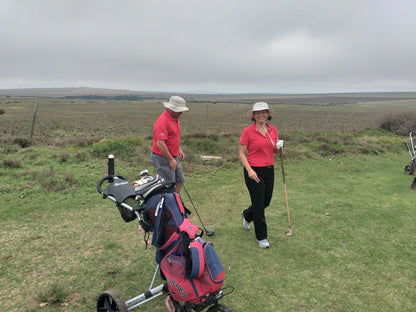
(258,144)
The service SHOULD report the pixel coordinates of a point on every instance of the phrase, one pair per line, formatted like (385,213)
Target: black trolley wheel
(219,308)
(111,301)
(408,170)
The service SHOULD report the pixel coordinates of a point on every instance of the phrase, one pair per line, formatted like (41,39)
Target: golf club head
(288,232)
(144,172)
(209,232)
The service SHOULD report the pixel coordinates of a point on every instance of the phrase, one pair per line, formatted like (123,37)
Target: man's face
(174,114)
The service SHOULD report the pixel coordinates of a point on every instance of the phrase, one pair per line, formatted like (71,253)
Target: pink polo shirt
(260,148)
(168,129)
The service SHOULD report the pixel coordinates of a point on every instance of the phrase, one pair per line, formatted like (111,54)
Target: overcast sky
(278,46)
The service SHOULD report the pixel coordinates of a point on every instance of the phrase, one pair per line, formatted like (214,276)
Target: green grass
(351,206)
(352,247)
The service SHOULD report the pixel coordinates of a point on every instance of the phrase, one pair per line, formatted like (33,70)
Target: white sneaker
(246,225)
(264,243)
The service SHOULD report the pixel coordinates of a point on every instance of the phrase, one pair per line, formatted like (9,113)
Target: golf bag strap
(179,201)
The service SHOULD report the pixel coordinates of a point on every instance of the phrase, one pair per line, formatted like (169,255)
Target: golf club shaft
(194,207)
(411,142)
(284,185)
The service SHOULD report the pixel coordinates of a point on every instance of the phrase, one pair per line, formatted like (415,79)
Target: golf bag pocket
(173,244)
(197,262)
(165,216)
(206,266)
(126,214)
(213,264)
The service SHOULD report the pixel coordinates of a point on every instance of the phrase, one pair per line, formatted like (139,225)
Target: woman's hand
(253,175)
(243,157)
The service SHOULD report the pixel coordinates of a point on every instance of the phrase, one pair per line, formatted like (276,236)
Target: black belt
(264,167)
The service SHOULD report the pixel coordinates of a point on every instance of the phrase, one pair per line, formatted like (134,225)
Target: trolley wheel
(219,308)
(408,170)
(111,301)
(413,186)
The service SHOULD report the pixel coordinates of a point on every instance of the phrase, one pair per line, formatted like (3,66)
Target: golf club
(208,231)
(289,231)
(143,173)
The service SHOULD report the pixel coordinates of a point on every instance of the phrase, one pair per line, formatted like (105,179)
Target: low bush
(22,142)
(12,163)
(400,123)
(53,294)
(123,148)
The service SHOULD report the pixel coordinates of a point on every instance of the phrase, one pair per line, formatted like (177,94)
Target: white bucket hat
(176,104)
(259,106)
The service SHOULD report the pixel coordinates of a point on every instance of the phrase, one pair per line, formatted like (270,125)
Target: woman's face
(261,116)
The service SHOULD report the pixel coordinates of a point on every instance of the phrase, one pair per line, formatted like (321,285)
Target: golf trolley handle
(110,179)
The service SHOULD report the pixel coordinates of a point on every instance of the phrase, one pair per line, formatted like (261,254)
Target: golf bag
(189,264)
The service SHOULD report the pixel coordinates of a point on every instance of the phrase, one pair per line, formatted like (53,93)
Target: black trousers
(261,195)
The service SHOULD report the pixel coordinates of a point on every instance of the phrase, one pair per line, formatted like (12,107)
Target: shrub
(206,144)
(50,180)
(22,142)
(12,163)
(400,123)
(2,111)
(124,148)
(81,156)
(53,294)
(70,179)
(63,158)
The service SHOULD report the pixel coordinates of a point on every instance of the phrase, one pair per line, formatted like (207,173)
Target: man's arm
(165,151)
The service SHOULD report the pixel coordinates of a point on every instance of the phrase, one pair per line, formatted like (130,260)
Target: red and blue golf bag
(189,264)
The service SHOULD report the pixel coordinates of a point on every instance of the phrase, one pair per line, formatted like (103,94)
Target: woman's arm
(243,158)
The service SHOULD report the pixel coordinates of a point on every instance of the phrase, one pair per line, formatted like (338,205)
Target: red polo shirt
(260,148)
(168,129)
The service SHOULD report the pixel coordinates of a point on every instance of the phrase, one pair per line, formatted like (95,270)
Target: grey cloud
(219,46)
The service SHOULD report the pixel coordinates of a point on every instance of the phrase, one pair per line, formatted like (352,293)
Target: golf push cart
(411,168)
(133,202)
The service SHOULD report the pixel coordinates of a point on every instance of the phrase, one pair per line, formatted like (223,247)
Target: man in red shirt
(166,150)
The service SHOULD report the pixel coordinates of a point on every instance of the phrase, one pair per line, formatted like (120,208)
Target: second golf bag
(189,264)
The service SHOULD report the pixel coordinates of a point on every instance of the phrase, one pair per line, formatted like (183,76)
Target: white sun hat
(176,104)
(259,106)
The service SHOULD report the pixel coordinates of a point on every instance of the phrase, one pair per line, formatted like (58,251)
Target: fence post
(34,120)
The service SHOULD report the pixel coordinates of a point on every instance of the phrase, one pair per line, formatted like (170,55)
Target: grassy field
(352,209)
(80,120)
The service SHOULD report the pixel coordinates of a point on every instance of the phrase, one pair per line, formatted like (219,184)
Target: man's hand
(181,155)
(169,304)
(173,164)
(141,230)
